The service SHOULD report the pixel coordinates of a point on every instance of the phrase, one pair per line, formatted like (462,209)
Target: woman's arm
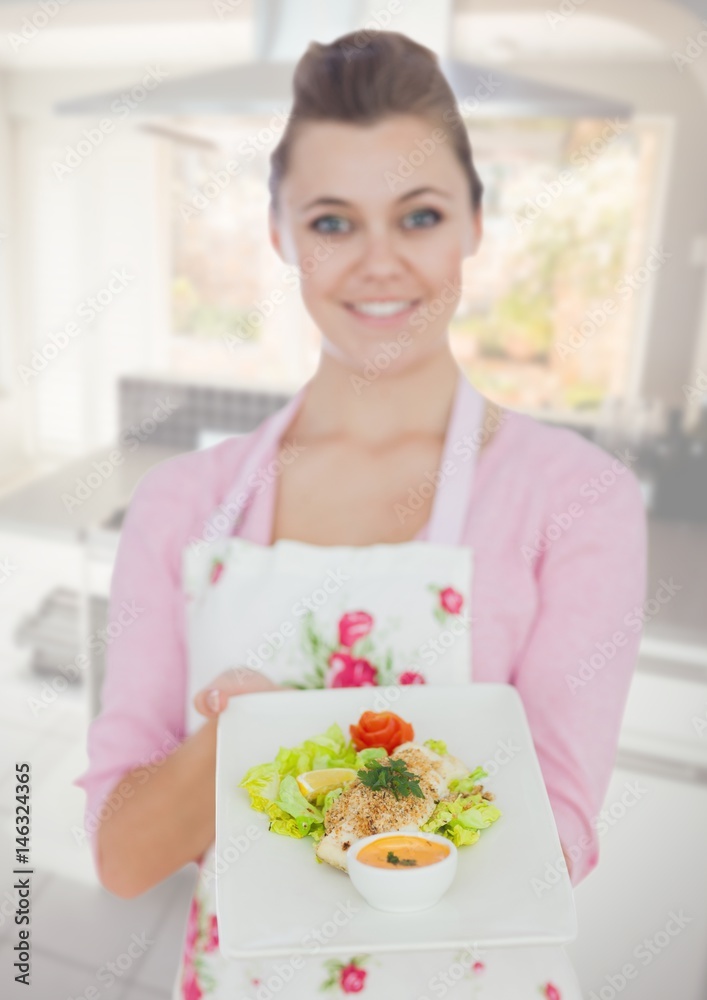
(162,823)
(575,672)
(167,819)
(142,776)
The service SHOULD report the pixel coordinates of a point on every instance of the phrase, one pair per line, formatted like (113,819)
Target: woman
(385,447)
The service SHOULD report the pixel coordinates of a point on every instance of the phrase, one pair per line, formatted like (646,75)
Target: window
(236,308)
(549,313)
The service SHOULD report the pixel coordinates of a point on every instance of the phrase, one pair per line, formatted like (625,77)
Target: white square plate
(274,898)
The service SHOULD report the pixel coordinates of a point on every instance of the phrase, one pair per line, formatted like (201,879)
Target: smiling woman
(375,198)
(412,215)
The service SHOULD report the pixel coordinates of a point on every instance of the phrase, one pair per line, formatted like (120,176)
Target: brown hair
(364,77)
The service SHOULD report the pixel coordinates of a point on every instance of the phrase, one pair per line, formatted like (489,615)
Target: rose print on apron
(346,978)
(340,616)
(330,616)
(354,662)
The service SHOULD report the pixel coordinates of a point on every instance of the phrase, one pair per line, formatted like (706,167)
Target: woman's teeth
(381,309)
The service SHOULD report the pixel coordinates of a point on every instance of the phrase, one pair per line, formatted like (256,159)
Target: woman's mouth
(383,312)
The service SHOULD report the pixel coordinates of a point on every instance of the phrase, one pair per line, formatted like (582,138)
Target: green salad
(274,790)
(463,815)
(273,787)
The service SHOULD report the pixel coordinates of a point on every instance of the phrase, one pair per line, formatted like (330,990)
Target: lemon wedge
(313,783)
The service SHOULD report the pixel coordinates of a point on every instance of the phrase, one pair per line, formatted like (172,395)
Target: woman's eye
(422,218)
(331,224)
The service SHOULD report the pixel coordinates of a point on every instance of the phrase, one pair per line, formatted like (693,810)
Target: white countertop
(37,508)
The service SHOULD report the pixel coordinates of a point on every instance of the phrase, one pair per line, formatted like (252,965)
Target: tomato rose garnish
(381,729)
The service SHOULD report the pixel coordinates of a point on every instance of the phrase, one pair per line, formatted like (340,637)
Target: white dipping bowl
(404,889)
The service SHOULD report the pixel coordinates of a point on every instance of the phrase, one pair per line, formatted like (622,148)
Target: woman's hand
(212,700)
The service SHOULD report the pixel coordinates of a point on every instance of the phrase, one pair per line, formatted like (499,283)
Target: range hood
(284,28)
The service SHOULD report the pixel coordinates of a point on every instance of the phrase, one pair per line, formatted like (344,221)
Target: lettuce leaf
(273,789)
(465,784)
(370,753)
(291,801)
(281,822)
(462,819)
(262,783)
(328,799)
(329,749)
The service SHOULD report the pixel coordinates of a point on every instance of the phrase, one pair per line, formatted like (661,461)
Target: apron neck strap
(462,442)
(265,439)
(458,466)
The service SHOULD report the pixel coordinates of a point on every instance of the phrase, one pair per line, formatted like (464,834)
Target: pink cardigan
(558,530)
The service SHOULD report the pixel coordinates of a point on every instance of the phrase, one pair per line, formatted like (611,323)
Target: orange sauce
(406,849)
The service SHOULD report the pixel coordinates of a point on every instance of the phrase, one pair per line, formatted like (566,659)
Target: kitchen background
(143,312)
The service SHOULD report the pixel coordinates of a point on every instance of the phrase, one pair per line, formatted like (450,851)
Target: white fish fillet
(360,811)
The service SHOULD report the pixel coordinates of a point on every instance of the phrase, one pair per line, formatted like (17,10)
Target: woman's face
(378,218)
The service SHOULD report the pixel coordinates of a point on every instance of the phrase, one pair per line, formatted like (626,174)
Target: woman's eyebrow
(424,190)
(342,203)
(325,201)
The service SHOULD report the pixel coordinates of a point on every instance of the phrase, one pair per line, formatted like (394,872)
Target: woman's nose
(380,255)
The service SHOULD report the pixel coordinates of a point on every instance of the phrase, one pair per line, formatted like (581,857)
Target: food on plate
(391,773)
(374,865)
(381,729)
(338,792)
(366,807)
(313,783)
(273,787)
(398,851)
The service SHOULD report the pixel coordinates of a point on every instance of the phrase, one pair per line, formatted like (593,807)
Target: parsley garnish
(394,775)
(393,859)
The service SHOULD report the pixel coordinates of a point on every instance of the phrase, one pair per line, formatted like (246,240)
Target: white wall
(13,439)
(82,229)
(107,215)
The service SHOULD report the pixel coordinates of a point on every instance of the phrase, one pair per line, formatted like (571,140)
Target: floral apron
(321,616)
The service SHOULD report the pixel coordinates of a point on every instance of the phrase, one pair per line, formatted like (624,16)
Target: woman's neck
(377,407)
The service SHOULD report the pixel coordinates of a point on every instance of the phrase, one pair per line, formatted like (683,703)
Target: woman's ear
(478,228)
(274,230)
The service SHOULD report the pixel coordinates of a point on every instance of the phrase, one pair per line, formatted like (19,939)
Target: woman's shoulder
(562,460)
(179,491)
